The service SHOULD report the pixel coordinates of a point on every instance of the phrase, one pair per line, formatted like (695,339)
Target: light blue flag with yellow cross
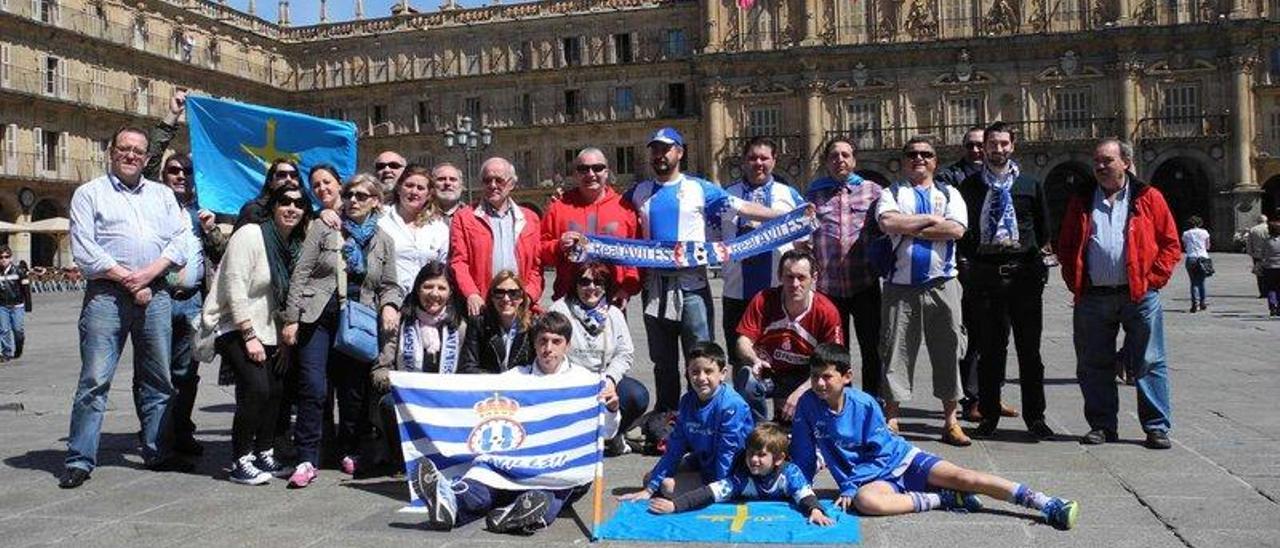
(232,144)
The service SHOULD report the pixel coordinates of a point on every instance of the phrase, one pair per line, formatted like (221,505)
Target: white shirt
(611,418)
(1195,243)
(920,261)
(415,245)
(743,281)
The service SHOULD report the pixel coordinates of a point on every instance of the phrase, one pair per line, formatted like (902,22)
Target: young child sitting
(456,503)
(763,474)
(711,427)
(878,472)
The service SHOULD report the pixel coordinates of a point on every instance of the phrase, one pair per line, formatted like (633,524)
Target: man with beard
(674,207)
(446,181)
(744,278)
(388,166)
(1004,277)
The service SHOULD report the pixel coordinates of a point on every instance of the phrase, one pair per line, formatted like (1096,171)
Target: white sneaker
(245,472)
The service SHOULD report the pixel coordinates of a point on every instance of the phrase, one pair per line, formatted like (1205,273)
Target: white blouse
(415,246)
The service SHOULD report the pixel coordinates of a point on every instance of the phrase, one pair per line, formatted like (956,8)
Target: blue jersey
(744,278)
(855,443)
(713,433)
(786,482)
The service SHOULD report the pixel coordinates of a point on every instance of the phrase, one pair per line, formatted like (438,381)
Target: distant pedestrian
(15,290)
(1254,242)
(1269,263)
(1195,245)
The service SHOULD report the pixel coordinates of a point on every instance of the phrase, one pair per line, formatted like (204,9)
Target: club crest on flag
(498,429)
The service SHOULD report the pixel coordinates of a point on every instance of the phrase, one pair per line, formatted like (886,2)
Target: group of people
(947,258)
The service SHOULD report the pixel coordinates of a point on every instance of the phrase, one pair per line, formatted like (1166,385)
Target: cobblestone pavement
(1218,486)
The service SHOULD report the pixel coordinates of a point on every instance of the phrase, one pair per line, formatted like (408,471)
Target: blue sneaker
(1061,513)
(437,495)
(958,501)
(266,461)
(245,473)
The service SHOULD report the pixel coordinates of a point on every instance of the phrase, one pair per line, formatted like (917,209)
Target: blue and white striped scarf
(999,221)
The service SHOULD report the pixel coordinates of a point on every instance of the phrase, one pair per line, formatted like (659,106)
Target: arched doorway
(44,247)
(1062,181)
(1270,197)
(873,176)
(1186,187)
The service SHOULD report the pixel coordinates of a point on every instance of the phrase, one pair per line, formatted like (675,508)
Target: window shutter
(39,139)
(62,152)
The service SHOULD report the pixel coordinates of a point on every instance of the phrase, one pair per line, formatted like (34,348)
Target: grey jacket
(315,280)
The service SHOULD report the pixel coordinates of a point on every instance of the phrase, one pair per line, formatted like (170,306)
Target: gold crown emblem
(496,406)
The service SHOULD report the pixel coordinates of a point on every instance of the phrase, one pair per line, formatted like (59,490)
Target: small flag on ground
(506,431)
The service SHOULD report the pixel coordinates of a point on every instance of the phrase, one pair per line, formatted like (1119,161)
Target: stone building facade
(1195,84)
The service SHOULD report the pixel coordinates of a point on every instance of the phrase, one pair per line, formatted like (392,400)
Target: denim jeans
(320,366)
(12,330)
(108,319)
(1197,281)
(694,326)
(1097,320)
(183,368)
(476,499)
(633,401)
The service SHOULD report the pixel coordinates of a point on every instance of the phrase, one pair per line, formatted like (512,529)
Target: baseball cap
(667,135)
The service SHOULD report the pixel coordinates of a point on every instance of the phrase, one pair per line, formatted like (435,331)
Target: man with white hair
(494,235)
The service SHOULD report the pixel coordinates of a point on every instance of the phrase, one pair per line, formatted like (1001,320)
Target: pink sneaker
(349,465)
(303,475)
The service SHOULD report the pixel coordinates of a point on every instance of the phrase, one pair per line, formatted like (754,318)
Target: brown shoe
(1007,411)
(971,413)
(954,435)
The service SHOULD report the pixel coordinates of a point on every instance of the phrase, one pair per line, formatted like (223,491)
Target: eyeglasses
(6,256)
(176,170)
(379,166)
(300,203)
(973,144)
(357,196)
(588,282)
(133,150)
(512,294)
(584,168)
(919,155)
(286,174)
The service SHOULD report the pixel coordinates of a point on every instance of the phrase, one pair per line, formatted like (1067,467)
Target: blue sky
(307,12)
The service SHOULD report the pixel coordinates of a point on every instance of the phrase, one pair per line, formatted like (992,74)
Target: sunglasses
(175,170)
(387,165)
(286,174)
(357,196)
(6,256)
(919,155)
(583,168)
(300,203)
(512,294)
(588,282)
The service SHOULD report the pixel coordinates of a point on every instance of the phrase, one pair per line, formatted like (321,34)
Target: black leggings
(259,388)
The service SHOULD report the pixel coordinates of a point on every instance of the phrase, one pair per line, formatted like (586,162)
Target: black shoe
(1158,439)
(985,429)
(524,515)
(170,464)
(73,477)
(616,446)
(188,446)
(1099,436)
(1040,431)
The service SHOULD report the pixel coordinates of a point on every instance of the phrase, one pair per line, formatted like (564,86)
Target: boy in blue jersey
(763,474)
(711,428)
(878,472)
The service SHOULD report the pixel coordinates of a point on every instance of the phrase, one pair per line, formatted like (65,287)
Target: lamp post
(468,139)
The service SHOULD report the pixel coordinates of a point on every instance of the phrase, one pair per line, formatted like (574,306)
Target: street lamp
(468,140)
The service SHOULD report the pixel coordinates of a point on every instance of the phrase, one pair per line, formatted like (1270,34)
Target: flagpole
(597,510)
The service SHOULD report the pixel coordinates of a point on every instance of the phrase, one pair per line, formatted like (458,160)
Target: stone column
(814,89)
(20,242)
(713,110)
(712,13)
(1242,112)
(812,11)
(1130,70)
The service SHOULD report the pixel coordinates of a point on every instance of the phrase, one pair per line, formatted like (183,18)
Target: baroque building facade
(1194,84)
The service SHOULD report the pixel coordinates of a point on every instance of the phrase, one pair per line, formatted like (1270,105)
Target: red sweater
(471,252)
(610,216)
(1152,248)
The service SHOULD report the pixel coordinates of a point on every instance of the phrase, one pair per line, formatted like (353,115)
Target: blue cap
(667,135)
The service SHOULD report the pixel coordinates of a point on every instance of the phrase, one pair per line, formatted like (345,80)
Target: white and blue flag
(506,431)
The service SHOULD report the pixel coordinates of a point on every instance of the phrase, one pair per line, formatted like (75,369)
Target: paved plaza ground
(1218,486)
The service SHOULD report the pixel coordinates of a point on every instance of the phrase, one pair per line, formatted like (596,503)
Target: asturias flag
(233,143)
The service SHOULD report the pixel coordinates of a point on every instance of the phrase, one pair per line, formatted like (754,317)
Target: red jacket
(610,215)
(471,251)
(1152,248)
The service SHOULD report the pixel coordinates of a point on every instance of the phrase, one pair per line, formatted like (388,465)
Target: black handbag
(1205,264)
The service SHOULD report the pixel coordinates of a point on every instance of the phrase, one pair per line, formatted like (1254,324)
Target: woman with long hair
(602,342)
(366,256)
(432,337)
(282,172)
(243,312)
(326,186)
(414,222)
(502,329)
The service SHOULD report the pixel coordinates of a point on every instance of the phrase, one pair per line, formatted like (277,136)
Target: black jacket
(483,352)
(1029,205)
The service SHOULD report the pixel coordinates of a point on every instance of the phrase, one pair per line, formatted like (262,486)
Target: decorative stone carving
(1105,12)
(886,20)
(716,90)
(860,74)
(922,23)
(829,33)
(1039,18)
(1002,18)
(964,66)
(1069,63)
(1145,13)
